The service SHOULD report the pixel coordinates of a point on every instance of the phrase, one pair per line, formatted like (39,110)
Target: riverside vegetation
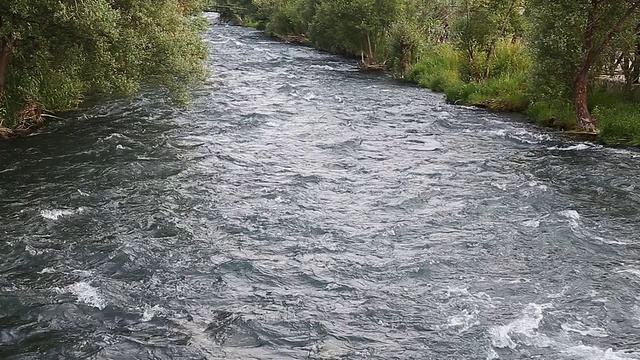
(572,64)
(55,53)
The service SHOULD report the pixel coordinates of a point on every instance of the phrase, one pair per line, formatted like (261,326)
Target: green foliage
(354,26)
(556,113)
(439,69)
(559,46)
(442,69)
(511,58)
(478,28)
(237,11)
(407,40)
(63,50)
(618,116)
(288,18)
(556,46)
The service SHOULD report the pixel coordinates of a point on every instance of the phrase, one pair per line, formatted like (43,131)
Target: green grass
(505,93)
(439,70)
(618,116)
(506,89)
(558,114)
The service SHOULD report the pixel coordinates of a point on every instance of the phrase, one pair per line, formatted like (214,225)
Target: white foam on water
(529,137)
(500,186)
(86,294)
(635,272)
(633,153)
(47,270)
(464,320)
(82,193)
(492,354)
(500,133)
(83,273)
(577,147)
(31,250)
(570,214)
(310,96)
(322,67)
(525,326)
(562,293)
(579,328)
(612,242)
(520,135)
(457,291)
(115,136)
(574,217)
(55,214)
(526,329)
(150,312)
(594,353)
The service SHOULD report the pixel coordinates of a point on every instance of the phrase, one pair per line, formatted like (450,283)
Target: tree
(55,52)
(355,27)
(480,25)
(572,48)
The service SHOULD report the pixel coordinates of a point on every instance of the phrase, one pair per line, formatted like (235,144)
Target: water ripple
(304,210)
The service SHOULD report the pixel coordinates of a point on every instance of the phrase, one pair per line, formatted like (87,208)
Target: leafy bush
(65,50)
(438,69)
(442,69)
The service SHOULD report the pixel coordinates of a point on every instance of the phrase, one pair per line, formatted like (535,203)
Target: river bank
(304,210)
(506,88)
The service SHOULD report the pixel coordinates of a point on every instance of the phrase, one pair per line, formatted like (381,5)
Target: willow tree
(354,27)
(54,52)
(569,50)
(479,27)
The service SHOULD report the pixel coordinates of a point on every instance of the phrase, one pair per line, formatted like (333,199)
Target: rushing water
(304,210)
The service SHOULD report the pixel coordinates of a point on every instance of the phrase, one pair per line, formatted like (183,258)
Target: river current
(301,209)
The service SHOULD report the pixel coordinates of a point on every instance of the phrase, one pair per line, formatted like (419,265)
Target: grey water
(301,209)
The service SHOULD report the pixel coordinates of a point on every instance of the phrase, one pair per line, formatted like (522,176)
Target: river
(301,209)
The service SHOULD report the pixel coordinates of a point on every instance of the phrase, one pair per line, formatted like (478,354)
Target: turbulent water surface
(304,210)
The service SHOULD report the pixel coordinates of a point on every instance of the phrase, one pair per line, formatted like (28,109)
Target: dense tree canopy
(568,51)
(54,52)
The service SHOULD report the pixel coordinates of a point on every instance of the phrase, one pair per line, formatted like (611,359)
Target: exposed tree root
(27,120)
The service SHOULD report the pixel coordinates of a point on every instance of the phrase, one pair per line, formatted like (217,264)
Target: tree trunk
(487,69)
(580,96)
(407,54)
(627,70)
(5,57)
(591,53)
(581,84)
(636,59)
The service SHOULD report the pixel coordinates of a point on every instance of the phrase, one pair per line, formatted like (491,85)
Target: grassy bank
(506,89)
(443,69)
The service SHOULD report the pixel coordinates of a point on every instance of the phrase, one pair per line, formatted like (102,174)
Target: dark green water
(304,210)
